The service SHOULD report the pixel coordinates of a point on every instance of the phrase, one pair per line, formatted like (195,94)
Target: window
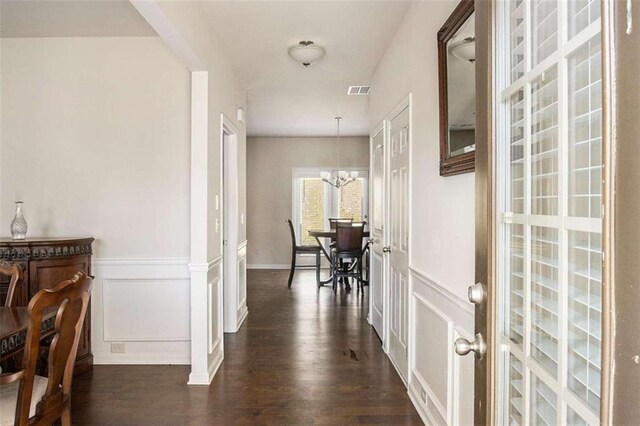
(549,160)
(315,201)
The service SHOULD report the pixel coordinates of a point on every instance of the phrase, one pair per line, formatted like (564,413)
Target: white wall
(269,172)
(183,28)
(442,250)
(95,141)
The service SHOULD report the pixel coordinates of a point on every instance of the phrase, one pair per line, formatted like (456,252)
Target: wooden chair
(296,249)
(16,282)
(346,256)
(38,400)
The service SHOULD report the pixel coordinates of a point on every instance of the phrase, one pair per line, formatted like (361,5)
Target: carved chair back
(16,281)
(71,298)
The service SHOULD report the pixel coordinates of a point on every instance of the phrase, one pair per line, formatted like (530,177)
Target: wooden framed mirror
(456,80)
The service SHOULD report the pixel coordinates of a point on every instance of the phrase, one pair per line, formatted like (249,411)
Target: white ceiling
(283,97)
(47,18)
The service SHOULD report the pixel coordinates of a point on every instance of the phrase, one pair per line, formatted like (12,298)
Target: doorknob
(477,294)
(386,249)
(463,346)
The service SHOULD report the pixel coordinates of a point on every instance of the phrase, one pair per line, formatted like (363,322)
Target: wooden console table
(46,262)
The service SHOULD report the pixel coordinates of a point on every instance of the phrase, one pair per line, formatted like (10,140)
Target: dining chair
(334,221)
(303,249)
(346,256)
(16,281)
(38,400)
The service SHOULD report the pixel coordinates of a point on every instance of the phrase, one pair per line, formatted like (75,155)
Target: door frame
(621,233)
(384,129)
(229,223)
(485,222)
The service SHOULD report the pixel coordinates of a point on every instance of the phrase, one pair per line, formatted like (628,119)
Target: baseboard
(243,316)
(268,266)
(119,359)
(215,365)
(420,407)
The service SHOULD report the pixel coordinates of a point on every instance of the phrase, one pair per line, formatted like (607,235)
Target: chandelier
(341,178)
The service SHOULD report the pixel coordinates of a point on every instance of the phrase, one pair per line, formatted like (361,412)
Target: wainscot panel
(438,317)
(141,311)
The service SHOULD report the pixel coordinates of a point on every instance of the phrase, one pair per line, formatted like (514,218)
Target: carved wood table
(13,328)
(46,262)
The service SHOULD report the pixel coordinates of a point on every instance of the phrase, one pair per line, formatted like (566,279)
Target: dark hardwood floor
(303,356)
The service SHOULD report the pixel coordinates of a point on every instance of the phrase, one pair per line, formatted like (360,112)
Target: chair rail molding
(143,304)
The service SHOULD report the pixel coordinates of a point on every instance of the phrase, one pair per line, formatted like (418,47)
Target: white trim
(158,20)
(379,232)
(230,246)
(420,407)
(141,359)
(115,261)
(461,303)
(206,379)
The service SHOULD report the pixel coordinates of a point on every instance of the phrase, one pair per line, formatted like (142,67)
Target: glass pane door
(549,166)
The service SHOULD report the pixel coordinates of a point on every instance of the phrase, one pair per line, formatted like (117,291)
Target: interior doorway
(234,254)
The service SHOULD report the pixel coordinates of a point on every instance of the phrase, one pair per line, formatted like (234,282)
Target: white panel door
(377,227)
(399,239)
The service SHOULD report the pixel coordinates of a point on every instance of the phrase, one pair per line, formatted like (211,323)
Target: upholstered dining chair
(16,281)
(38,400)
(300,249)
(346,256)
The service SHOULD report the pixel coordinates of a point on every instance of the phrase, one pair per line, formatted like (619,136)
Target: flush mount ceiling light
(465,50)
(306,52)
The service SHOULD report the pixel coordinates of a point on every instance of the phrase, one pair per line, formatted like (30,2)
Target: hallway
(302,357)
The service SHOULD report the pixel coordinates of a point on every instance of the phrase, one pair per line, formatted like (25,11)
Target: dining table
(13,328)
(330,235)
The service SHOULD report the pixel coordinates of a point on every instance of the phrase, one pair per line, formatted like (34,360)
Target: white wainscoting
(440,382)
(215,330)
(144,304)
(241,288)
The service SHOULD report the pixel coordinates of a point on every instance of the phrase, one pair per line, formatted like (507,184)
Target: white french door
(549,180)
(399,134)
(377,228)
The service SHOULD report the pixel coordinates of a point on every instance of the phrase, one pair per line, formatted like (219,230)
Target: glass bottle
(19,224)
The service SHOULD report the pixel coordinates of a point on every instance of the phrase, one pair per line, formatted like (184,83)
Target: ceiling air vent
(359,90)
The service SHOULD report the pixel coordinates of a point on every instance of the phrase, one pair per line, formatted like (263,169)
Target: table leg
(326,254)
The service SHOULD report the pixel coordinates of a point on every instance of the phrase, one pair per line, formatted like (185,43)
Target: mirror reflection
(461,89)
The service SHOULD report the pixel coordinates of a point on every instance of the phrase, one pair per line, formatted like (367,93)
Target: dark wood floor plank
(303,356)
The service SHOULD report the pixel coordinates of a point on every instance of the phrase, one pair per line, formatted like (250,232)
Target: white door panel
(378,220)
(399,241)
